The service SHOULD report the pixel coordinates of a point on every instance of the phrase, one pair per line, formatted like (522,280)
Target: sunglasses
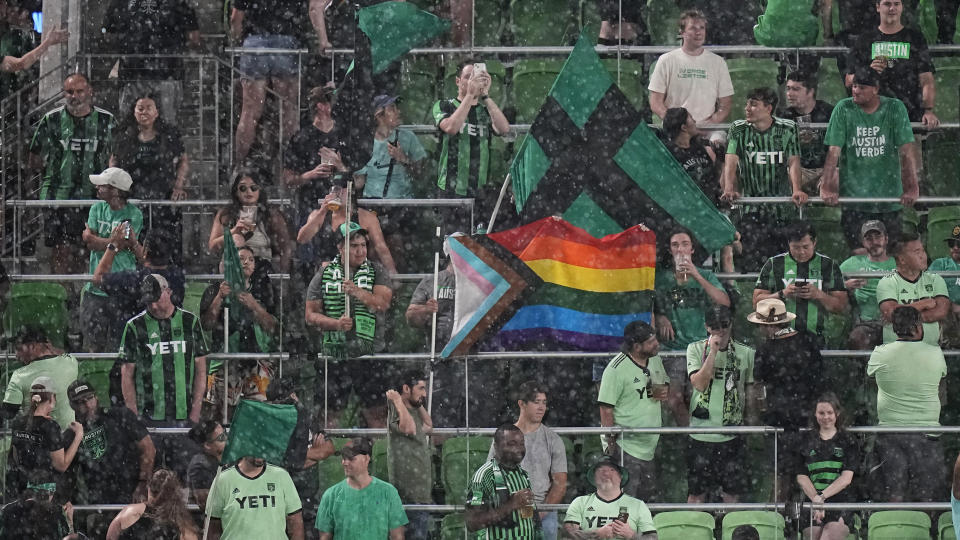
(253,188)
(220,438)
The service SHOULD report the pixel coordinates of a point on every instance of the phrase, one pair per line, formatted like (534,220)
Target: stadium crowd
(741,356)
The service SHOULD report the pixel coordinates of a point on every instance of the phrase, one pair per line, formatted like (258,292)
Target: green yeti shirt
(866,296)
(721,403)
(253,507)
(903,291)
(102,220)
(627,387)
(782,270)
(870,150)
(488,482)
(908,375)
(591,512)
(764,157)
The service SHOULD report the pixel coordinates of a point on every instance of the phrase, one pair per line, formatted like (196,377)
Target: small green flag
(232,267)
(590,157)
(260,430)
(396,27)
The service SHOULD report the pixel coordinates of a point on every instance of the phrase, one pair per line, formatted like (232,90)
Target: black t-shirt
(242,319)
(812,150)
(34,520)
(151,164)
(302,155)
(30,449)
(123,288)
(697,163)
(823,461)
(791,368)
(150,27)
(108,458)
(907,57)
(201,471)
(279,17)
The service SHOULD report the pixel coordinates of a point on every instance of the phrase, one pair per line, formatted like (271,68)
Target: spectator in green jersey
(500,503)
(39,357)
(912,285)
(867,322)
(609,512)
(950,335)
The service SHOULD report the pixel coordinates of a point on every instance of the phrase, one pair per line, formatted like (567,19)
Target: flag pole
(496,209)
(346,247)
(433,327)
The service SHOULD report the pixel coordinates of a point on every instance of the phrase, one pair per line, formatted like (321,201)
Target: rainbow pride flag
(550,284)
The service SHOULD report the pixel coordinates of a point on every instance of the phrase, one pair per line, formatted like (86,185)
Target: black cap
(79,388)
(718,317)
(638,332)
(152,287)
(357,446)
(607,461)
(866,77)
(27,333)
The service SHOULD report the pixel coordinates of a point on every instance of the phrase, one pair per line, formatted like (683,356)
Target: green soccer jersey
(684,305)
(464,156)
(490,478)
(72,149)
(102,220)
(721,403)
(164,352)
(590,512)
(764,158)
(866,296)
(371,512)
(627,388)
(253,507)
(62,369)
(908,375)
(903,291)
(953,283)
(870,150)
(824,274)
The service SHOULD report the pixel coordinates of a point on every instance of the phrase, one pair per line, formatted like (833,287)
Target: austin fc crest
(271,486)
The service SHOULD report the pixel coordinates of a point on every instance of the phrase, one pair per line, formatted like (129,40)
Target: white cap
(114,176)
(42,384)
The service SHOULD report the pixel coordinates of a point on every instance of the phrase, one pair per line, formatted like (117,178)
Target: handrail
(80,203)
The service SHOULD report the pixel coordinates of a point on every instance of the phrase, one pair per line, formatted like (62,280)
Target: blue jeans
(549,524)
(419,526)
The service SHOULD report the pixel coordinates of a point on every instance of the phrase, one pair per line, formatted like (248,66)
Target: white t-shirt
(692,82)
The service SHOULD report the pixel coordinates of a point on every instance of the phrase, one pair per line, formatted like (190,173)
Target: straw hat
(771,311)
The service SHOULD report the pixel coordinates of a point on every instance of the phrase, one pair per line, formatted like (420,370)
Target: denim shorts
(265,66)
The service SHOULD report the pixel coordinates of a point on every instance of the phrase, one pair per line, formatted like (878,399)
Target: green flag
(232,268)
(261,430)
(591,158)
(396,27)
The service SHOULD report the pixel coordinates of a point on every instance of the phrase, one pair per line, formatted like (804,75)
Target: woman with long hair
(825,468)
(163,517)
(253,222)
(37,452)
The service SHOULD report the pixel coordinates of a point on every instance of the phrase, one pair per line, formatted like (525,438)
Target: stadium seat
(747,74)
(461,457)
(532,79)
(631,80)
(591,450)
(910,220)
(940,223)
(418,89)
(498,77)
(684,525)
(544,22)
(947,79)
(452,527)
(899,525)
(941,172)
(662,18)
(830,87)
(379,466)
(39,303)
(945,527)
(192,295)
(500,160)
(769,524)
(330,471)
(489,22)
(97,373)
(830,239)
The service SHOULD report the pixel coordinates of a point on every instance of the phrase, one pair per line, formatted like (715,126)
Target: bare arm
(295,526)
(280,240)
(928,90)
(51,37)
(452,124)
(806,485)
(314,316)
(199,387)
(148,453)
(421,315)
(94,242)
(701,378)
(479,517)
(216,529)
(396,534)
(61,459)
(723,110)
(497,119)
(830,182)
(313,224)
(659,108)
(826,18)
(127,370)
(183,170)
(325,536)
(833,301)
(908,175)
(318,21)
(717,295)
(372,226)
(236,24)
(841,483)
(730,177)
(405,423)
(558,488)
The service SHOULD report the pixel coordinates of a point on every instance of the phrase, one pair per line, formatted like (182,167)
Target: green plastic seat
(97,373)
(418,89)
(590,450)
(460,458)
(830,86)
(830,239)
(192,294)
(940,223)
(769,524)
(945,527)
(532,80)
(899,525)
(330,470)
(747,74)
(631,80)
(947,80)
(452,527)
(684,525)
(662,17)
(379,465)
(38,303)
(489,22)
(544,22)
(498,77)
(941,172)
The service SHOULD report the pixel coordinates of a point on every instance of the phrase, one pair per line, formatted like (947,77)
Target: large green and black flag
(591,158)
(384,33)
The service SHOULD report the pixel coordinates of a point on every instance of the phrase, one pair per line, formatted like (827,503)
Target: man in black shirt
(788,373)
(900,56)
(805,108)
(212,438)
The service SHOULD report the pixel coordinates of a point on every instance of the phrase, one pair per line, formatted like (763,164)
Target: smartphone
(479,66)
(801,282)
